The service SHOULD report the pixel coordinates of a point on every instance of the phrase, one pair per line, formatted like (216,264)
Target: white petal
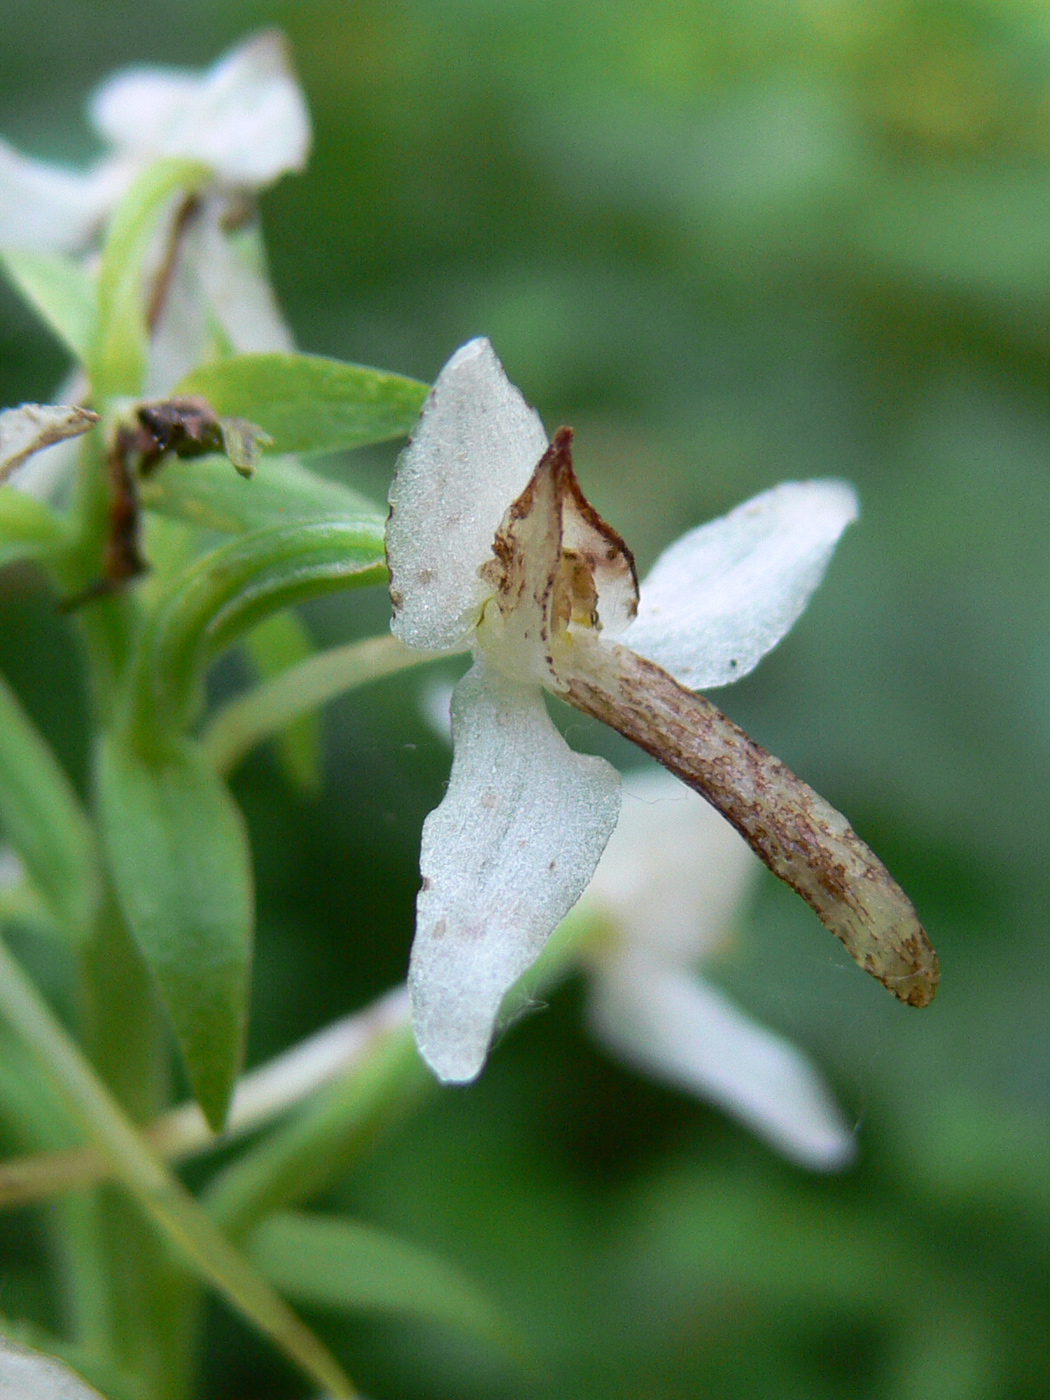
(682,1031)
(472,454)
(245,117)
(720,597)
(241,297)
(137,108)
(674,871)
(504,858)
(48,208)
(48,474)
(182,337)
(30,1375)
(34,426)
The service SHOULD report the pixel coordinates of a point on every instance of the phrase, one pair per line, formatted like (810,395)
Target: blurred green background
(730,243)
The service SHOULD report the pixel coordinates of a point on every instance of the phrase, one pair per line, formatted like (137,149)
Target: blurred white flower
(669,885)
(493,548)
(245,117)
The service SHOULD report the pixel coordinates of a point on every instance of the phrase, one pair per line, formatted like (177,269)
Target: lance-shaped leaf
(28,528)
(222,595)
(61,290)
(43,820)
(338,1263)
(307,403)
(117,362)
(205,492)
(30,1375)
(272,647)
(34,426)
(181,867)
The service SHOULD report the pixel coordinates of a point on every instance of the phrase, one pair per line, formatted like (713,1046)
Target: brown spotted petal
(556,564)
(594,545)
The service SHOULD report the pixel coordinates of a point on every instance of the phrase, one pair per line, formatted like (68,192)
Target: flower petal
(26,430)
(504,858)
(47,208)
(472,454)
(720,597)
(682,1031)
(182,337)
(245,117)
(137,108)
(241,296)
(210,276)
(674,871)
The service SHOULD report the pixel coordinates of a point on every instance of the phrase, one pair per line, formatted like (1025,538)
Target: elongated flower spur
(494,548)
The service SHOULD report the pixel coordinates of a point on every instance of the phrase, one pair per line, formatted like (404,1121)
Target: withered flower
(493,548)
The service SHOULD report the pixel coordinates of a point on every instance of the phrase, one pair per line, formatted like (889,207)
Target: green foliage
(117,359)
(227,592)
(205,492)
(343,1264)
(28,528)
(60,290)
(282,641)
(41,817)
(307,403)
(181,866)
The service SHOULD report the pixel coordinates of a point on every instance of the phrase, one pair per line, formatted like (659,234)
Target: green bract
(61,290)
(307,403)
(228,591)
(206,492)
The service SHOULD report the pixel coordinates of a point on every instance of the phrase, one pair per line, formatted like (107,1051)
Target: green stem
(159,1194)
(155,1300)
(268,708)
(319,1143)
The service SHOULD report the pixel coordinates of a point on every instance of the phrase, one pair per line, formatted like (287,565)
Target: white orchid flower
(494,549)
(667,889)
(245,117)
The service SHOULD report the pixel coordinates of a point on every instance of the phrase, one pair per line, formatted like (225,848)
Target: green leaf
(205,491)
(61,290)
(117,362)
(181,866)
(28,528)
(273,646)
(340,1263)
(228,591)
(307,403)
(43,820)
(30,1375)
